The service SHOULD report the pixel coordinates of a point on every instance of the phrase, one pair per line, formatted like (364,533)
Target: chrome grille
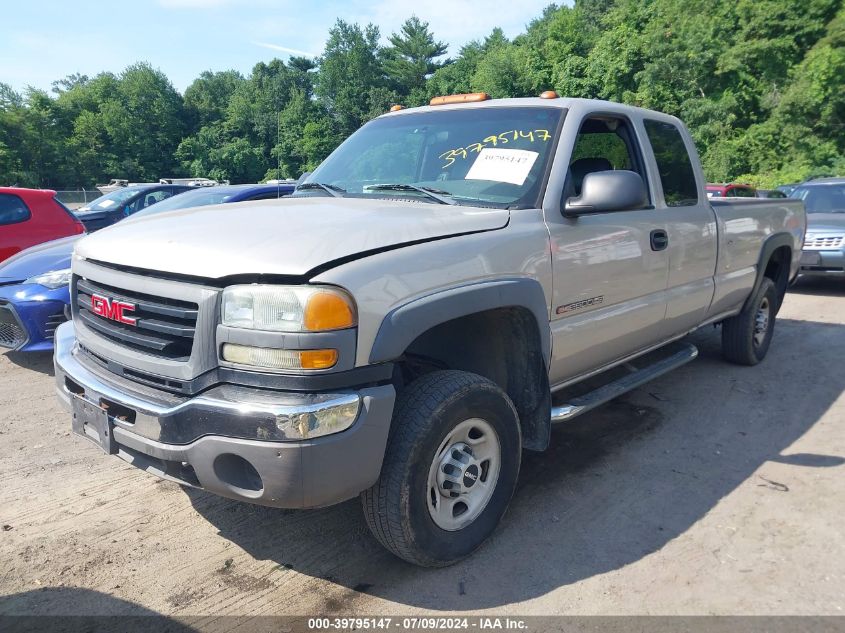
(12,335)
(823,242)
(163,327)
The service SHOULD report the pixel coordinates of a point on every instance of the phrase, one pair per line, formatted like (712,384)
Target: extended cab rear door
(689,220)
(610,269)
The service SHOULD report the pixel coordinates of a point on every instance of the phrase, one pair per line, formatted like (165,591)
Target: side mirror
(604,191)
(302,178)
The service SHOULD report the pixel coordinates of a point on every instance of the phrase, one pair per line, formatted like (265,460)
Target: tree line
(760,83)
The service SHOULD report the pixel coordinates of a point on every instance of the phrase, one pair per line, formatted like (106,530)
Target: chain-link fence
(75,199)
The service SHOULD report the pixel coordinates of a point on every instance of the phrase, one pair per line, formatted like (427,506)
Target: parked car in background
(223,194)
(824,244)
(730,191)
(34,284)
(123,202)
(32,216)
(771,193)
(34,295)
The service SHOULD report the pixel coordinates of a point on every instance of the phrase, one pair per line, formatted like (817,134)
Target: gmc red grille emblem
(112,309)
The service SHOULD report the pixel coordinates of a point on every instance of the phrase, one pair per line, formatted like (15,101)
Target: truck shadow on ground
(71,609)
(615,485)
(35,361)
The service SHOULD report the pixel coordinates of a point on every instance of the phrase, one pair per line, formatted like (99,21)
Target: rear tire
(449,470)
(747,336)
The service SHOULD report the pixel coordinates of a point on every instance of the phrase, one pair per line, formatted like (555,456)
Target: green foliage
(410,58)
(207,98)
(758,82)
(352,82)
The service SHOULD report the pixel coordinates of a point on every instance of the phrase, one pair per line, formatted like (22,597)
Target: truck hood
(291,236)
(39,259)
(825,222)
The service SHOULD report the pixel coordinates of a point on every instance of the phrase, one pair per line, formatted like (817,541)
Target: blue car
(114,206)
(34,284)
(33,295)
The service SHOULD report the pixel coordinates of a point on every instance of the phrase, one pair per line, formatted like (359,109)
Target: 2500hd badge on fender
(417,313)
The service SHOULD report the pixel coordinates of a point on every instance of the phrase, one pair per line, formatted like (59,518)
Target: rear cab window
(677,177)
(13,210)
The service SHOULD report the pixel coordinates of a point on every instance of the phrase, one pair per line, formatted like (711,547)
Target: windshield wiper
(334,190)
(434,194)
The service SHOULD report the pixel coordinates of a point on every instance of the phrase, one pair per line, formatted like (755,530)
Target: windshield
(493,156)
(110,200)
(822,198)
(198,198)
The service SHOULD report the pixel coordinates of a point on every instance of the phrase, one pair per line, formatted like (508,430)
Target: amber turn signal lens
(272,358)
(328,311)
(318,358)
(462,98)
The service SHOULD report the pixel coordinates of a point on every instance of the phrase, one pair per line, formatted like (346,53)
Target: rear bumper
(290,474)
(831,264)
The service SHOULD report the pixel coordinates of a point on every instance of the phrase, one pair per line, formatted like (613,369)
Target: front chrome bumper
(228,440)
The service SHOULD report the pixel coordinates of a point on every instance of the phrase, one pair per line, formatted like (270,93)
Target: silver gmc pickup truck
(449,283)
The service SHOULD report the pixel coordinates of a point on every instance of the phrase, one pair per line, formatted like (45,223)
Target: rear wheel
(449,471)
(747,336)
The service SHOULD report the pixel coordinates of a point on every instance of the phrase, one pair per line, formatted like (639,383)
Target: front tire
(449,470)
(747,336)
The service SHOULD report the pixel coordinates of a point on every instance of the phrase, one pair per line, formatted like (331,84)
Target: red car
(32,216)
(730,191)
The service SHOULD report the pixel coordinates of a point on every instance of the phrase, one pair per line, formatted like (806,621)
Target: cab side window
(12,209)
(604,143)
(673,162)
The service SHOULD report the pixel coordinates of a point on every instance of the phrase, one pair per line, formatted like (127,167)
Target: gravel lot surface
(715,489)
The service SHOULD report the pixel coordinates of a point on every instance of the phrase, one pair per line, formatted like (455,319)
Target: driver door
(610,275)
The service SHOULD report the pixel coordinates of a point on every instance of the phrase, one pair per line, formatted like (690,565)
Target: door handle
(659,240)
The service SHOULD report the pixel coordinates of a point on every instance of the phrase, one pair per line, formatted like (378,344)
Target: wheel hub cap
(761,322)
(458,470)
(463,474)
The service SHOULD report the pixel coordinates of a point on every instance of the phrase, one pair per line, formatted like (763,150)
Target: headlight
(287,308)
(52,280)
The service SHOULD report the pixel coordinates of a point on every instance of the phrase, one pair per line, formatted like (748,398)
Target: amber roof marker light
(548,94)
(462,98)
(396,108)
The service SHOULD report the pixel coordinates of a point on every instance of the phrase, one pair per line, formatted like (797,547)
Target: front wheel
(449,470)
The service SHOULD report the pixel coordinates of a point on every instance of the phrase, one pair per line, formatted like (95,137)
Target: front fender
(404,324)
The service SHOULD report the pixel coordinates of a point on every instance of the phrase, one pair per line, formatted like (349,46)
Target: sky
(45,40)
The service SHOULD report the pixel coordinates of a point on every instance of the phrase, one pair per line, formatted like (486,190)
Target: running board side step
(637,377)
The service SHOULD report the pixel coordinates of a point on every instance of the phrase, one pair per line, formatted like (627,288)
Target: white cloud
(455,21)
(285,49)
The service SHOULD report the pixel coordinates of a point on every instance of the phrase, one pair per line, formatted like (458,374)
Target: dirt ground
(715,489)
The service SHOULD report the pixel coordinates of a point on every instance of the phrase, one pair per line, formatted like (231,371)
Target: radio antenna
(279,155)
